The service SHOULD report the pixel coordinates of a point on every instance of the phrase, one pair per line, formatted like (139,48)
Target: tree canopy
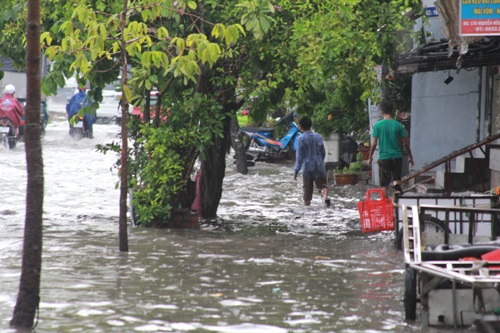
(322,57)
(207,58)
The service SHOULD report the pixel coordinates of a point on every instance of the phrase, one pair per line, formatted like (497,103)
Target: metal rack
(473,276)
(466,201)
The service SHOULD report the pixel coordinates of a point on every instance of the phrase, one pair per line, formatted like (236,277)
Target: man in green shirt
(387,133)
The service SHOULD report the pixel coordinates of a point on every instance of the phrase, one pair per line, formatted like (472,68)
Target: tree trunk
(239,148)
(212,177)
(214,167)
(122,232)
(28,298)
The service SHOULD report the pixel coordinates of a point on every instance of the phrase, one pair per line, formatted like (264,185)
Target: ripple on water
(246,328)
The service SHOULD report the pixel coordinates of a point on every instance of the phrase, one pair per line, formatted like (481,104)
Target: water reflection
(268,265)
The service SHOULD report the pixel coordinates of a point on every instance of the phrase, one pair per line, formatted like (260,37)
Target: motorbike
(8,133)
(77,128)
(44,118)
(260,144)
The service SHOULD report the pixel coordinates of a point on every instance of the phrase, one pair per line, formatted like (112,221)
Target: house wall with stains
(444,116)
(447,114)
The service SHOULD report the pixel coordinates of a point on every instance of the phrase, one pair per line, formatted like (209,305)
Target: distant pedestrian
(387,134)
(311,159)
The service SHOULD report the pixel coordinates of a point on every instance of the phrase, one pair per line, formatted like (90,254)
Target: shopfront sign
(479,18)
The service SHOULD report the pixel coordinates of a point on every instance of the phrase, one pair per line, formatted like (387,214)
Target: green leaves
(88,35)
(127,92)
(255,17)
(230,35)
(11,14)
(161,163)
(154,59)
(330,46)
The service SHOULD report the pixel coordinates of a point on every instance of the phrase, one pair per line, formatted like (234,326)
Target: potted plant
(349,175)
(364,147)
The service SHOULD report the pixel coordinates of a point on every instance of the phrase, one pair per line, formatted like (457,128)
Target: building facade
(455,100)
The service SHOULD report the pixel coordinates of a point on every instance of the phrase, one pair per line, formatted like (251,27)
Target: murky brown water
(268,265)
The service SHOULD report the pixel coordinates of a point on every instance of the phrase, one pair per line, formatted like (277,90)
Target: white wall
(444,117)
(18,80)
(332,148)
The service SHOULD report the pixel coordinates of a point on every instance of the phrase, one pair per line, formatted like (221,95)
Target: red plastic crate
(376,214)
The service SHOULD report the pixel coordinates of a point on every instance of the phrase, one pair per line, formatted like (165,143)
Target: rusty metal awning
(435,56)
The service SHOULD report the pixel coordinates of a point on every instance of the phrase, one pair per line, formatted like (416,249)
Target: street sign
(431,12)
(479,18)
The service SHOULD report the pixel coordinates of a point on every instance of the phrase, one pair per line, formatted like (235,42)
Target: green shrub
(161,177)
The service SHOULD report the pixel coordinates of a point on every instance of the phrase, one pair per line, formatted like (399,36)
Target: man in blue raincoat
(311,159)
(75,104)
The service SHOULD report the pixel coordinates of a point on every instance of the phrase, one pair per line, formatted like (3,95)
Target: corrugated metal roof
(436,56)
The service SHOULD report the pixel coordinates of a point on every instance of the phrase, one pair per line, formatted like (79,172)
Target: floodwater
(268,264)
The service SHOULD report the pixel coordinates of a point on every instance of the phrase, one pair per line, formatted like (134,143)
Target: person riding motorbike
(10,107)
(75,104)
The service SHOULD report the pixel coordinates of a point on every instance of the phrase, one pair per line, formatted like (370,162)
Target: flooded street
(268,265)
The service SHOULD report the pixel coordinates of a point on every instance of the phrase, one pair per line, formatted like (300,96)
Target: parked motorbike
(8,133)
(260,144)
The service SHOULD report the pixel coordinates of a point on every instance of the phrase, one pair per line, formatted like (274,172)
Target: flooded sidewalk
(269,264)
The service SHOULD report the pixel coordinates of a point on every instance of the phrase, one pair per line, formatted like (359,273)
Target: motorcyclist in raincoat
(10,107)
(75,104)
